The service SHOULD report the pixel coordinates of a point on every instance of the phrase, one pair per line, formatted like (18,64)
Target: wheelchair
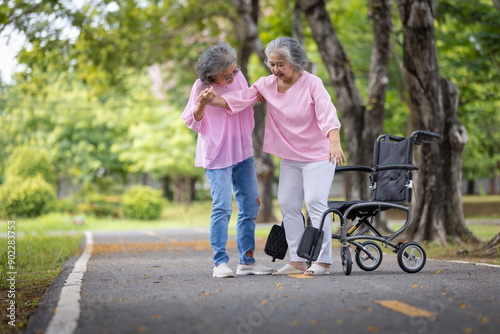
(391,184)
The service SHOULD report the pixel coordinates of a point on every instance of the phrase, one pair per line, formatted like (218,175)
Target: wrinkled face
(281,67)
(227,76)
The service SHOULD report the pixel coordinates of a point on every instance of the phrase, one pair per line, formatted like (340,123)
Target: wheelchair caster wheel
(371,261)
(411,257)
(345,255)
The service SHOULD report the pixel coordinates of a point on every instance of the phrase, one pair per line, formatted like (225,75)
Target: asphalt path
(156,281)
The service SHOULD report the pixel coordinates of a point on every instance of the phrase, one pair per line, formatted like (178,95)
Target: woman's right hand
(206,96)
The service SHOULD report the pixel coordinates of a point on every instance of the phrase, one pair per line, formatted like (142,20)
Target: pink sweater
(298,121)
(223,139)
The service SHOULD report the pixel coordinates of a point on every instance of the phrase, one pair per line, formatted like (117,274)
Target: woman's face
(227,76)
(281,67)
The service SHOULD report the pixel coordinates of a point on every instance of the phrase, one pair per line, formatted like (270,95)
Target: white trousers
(309,182)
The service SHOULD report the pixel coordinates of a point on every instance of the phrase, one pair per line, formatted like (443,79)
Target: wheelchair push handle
(421,133)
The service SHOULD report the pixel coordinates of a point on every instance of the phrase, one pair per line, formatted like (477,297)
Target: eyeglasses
(235,72)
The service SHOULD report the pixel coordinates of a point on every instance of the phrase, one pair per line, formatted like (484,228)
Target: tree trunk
(491,249)
(361,126)
(378,80)
(348,100)
(248,12)
(470,187)
(434,100)
(182,186)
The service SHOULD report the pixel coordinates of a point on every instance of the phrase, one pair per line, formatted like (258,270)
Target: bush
(61,205)
(21,198)
(142,202)
(100,205)
(28,162)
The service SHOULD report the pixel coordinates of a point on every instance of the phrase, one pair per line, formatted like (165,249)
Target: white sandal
(287,269)
(316,270)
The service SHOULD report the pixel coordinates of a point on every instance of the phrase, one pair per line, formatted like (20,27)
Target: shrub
(100,205)
(21,198)
(61,205)
(142,202)
(28,162)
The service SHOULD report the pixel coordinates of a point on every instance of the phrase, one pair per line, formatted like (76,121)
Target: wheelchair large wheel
(364,261)
(411,257)
(345,255)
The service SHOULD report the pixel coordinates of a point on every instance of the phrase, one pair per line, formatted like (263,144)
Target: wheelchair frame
(411,255)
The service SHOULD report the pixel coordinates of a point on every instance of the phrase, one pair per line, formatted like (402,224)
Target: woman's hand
(206,96)
(336,153)
(260,98)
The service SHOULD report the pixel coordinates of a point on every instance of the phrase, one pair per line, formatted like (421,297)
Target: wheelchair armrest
(396,166)
(354,169)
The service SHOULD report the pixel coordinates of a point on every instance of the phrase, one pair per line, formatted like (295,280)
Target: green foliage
(25,197)
(468,41)
(88,100)
(61,205)
(28,162)
(99,205)
(142,202)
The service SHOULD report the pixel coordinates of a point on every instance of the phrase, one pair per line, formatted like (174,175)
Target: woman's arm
(209,96)
(336,152)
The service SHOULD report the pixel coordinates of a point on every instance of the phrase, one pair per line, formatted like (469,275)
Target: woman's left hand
(336,153)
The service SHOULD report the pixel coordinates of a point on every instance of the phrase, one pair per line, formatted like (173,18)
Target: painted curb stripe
(67,312)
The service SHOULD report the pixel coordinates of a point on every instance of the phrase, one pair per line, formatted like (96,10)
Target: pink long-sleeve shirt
(298,121)
(223,139)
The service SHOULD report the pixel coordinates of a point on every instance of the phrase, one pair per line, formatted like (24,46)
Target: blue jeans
(243,180)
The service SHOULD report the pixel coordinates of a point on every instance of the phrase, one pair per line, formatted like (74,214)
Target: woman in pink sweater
(225,150)
(302,129)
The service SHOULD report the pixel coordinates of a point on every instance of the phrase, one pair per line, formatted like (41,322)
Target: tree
(361,124)
(264,166)
(467,35)
(434,100)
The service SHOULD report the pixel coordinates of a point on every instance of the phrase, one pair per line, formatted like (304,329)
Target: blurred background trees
(101,84)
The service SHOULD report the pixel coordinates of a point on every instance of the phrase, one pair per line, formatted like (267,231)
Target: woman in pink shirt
(225,150)
(303,129)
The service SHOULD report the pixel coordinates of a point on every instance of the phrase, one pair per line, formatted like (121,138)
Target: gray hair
(290,49)
(214,61)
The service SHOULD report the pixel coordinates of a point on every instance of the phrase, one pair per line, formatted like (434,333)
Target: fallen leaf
(264,302)
(462,305)
(437,272)
(485,320)
(415,285)
(372,328)
(468,330)
(314,322)
(406,309)
(143,329)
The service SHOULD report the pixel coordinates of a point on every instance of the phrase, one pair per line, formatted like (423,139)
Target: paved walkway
(161,282)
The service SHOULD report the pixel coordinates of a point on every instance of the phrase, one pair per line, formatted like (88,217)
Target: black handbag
(310,244)
(276,245)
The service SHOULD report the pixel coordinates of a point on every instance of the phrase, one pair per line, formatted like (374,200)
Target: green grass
(481,199)
(39,260)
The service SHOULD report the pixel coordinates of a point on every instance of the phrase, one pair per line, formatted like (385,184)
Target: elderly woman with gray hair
(302,129)
(225,150)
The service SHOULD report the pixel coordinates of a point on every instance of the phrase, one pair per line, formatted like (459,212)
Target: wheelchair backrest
(392,185)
